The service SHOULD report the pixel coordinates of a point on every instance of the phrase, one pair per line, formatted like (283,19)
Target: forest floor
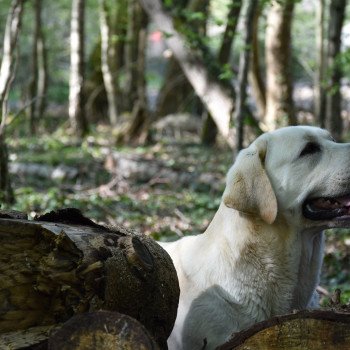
(167,189)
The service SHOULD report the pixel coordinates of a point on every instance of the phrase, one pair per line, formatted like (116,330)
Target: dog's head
(298,173)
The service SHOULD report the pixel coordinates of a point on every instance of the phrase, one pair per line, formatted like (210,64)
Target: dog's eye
(310,148)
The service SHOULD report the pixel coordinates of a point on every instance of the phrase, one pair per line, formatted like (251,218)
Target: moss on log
(64,264)
(304,330)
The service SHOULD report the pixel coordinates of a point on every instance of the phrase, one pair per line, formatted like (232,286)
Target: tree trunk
(216,97)
(137,130)
(209,129)
(316,330)
(131,51)
(279,96)
(319,82)
(107,59)
(243,73)
(176,93)
(76,82)
(255,78)
(230,31)
(334,121)
(42,73)
(64,264)
(38,85)
(7,73)
(6,192)
(34,81)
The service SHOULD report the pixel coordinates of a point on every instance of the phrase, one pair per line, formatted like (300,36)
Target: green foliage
(343,61)
(337,262)
(227,72)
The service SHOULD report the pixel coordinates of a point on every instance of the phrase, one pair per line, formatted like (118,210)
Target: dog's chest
(264,285)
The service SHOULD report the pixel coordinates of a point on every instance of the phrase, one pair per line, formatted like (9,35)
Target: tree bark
(216,98)
(38,85)
(255,78)
(6,191)
(64,264)
(334,121)
(7,73)
(135,97)
(319,81)
(137,130)
(230,31)
(107,59)
(76,82)
(279,92)
(131,52)
(34,81)
(40,104)
(243,73)
(305,329)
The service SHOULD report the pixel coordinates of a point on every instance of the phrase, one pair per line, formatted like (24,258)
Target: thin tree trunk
(137,130)
(255,78)
(107,58)
(76,83)
(119,31)
(243,73)
(319,89)
(217,97)
(38,85)
(34,82)
(279,93)
(230,31)
(131,50)
(7,73)
(42,74)
(209,128)
(334,121)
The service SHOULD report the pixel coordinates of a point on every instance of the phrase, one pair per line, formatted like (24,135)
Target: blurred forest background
(133,110)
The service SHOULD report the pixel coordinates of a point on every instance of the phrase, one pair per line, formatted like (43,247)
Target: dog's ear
(248,188)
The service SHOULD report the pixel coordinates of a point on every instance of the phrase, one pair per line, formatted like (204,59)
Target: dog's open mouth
(327,208)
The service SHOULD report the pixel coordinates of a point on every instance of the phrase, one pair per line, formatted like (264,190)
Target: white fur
(259,257)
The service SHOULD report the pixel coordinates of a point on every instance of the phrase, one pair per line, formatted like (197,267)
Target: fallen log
(64,264)
(303,330)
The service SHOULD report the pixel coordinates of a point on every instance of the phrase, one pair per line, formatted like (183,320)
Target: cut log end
(102,330)
(314,330)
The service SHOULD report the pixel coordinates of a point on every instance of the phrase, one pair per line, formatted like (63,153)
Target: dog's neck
(287,260)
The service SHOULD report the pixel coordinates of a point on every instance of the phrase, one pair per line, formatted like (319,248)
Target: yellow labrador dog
(262,253)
